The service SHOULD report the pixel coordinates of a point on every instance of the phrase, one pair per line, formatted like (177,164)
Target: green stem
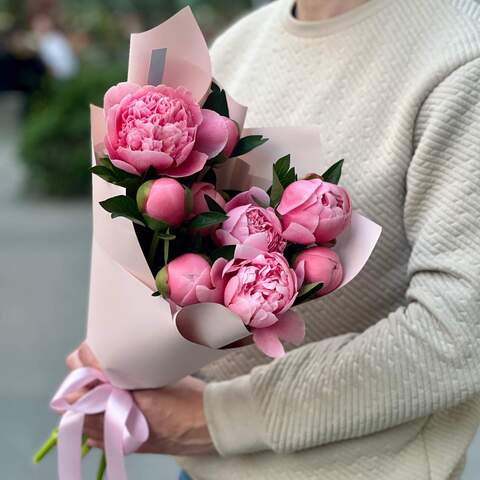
(85,447)
(50,443)
(153,249)
(166,248)
(102,466)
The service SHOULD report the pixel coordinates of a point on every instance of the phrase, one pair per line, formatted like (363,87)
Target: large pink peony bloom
(247,223)
(190,279)
(313,211)
(261,288)
(162,127)
(321,264)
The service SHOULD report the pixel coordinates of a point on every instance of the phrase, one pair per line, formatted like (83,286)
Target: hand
(174,414)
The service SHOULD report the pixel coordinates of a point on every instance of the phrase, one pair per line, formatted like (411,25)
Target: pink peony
(321,264)
(254,195)
(164,200)
(199,190)
(251,223)
(261,287)
(313,211)
(162,127)
(190,279)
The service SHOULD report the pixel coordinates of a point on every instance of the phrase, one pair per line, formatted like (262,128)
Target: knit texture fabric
(386,385)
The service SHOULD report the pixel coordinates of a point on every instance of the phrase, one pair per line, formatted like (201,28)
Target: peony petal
(193,164)
(295,195)
(115,94)
(300,273)
(247,252)
(212,134)
(263,319)
(233,217)
(223,238)
(243,308)
(126,167)
(232,134)
(248,197)
(296,233)
(258,240)
(143,159)
(267,341)
(231,290)
(291,328)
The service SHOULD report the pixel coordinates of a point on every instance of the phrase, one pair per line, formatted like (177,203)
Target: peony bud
(189,279)
(322,265)
(163,200)
(199,190)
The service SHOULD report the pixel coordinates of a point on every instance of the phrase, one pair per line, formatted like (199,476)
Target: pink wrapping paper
(138,342)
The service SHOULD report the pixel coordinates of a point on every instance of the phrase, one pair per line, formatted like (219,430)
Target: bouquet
(205,236)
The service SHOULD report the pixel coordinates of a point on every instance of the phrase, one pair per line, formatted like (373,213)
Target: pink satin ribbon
(125,427)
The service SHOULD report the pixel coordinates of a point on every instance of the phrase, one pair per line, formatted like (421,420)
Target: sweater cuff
(232,419)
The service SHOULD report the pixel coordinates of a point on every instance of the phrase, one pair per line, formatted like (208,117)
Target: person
(387,385)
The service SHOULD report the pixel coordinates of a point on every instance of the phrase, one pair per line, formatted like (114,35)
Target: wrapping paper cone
(137,340)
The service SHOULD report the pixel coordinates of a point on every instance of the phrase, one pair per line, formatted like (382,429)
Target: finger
(73,360)
(94,422)
(95,444)
(87,357)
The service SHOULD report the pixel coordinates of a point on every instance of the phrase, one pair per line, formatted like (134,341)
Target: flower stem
(85,447)
(166,248)
(153,249)
(102,466)
(50,443)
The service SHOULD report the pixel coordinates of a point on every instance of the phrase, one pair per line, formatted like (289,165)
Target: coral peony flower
(314,211)
(261,287)
(190,279)
(162,127)
(251,223)
(163,199)
(321,264)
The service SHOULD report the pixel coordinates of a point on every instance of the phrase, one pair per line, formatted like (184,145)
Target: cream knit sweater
(386,386)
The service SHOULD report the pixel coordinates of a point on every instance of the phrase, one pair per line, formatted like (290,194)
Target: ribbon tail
(116,414)
(69,446)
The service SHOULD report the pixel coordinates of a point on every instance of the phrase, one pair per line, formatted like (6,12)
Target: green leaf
(106,170)
(213,205)
(218,160)
(207,219)
(308,292)
(277,190)
(247,144)
(123,206)
(217,101)
(226,252)
(285,174)
(155,225)
(333,174)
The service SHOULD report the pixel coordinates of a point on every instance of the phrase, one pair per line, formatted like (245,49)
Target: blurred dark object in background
(63,55)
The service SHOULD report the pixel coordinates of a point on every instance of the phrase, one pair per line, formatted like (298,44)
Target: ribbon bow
(125,427)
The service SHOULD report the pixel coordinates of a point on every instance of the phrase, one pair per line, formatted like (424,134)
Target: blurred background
(56,57)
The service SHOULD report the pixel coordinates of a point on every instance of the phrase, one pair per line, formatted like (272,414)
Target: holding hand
(174,414)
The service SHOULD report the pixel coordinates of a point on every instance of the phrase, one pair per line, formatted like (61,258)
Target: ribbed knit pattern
(386,386)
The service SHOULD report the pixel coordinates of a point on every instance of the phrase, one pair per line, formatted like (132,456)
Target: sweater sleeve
(420,358)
